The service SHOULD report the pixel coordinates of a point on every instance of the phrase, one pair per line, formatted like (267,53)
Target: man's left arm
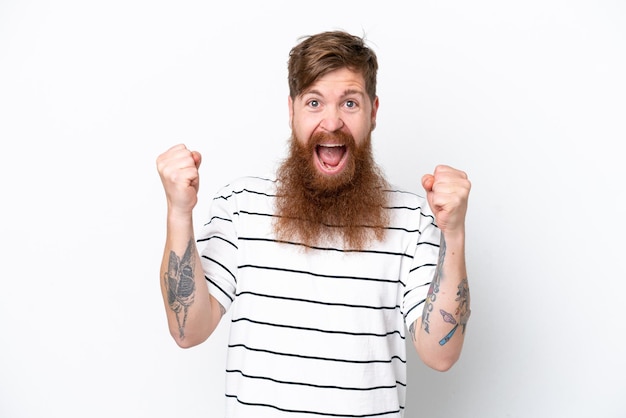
(439,333)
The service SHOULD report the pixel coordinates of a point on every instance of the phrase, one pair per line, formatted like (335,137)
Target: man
(325,266)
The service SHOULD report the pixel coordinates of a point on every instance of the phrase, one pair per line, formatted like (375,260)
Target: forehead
(341,81)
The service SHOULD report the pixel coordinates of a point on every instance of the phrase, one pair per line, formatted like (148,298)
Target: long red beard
(314,209)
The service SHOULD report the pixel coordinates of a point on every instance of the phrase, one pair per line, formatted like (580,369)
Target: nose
(331,120)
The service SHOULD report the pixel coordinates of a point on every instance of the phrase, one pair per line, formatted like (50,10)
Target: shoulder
(249,184)
(398,197)
(408,207)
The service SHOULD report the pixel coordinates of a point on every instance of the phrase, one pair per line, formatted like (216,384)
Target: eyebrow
(350,92)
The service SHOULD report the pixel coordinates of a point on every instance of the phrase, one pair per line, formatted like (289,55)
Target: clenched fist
(178,169)
(447,191)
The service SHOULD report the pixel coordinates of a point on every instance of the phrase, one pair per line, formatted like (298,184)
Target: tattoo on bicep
(180,284)
(434,287)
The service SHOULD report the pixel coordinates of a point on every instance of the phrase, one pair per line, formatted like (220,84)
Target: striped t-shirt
(319,333)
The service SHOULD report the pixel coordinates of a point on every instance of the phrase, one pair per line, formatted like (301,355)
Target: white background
(528,97)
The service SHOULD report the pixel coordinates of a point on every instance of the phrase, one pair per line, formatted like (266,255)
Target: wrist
(179,218)
(454,241)
(454,237)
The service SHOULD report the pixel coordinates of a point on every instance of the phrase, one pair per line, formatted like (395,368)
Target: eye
(351,104)
(314,103)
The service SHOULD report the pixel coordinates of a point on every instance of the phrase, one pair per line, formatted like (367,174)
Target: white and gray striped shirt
(318,333)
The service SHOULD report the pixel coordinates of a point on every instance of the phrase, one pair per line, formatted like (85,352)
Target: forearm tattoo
(463,298)
(463,311)
(180,284)
(431,297)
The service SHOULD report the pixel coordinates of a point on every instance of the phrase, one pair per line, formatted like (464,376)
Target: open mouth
(331,157)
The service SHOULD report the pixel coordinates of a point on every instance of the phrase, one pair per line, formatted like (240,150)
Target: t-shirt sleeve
(423,266)
(217,244)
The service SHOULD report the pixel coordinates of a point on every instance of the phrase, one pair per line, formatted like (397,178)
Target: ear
(290,106)
(375,104)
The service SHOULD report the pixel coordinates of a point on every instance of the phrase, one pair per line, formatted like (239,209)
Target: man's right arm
(192,313)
